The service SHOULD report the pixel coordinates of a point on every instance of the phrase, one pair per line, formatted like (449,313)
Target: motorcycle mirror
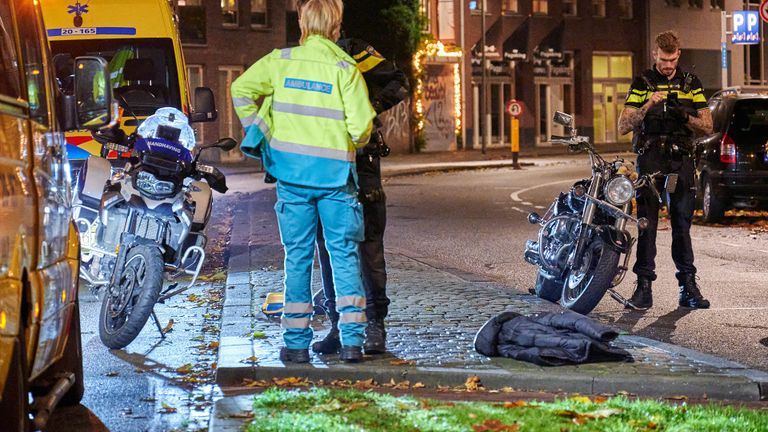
(564,119)
(225,144)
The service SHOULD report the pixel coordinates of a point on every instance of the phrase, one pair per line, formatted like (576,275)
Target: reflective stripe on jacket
(319,116)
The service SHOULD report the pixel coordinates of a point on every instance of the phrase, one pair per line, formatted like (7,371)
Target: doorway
(551,96)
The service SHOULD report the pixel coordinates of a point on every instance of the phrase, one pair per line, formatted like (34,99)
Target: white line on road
(526,203)
(516,195)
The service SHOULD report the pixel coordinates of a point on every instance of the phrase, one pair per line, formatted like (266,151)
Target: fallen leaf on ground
(187,368)
(516,404)
(600,399)
(365,384)
(258,335)
(332,405)
(418,385)
(356,405)
(495,426)
(582,399)
(677,397)
(242,415)
(507,390)
(166,409)
(168,327)
(472,415)
(603,413)
(254,383)
(402,362)
(251,359)
(290,382)
(112,374)
(473,383)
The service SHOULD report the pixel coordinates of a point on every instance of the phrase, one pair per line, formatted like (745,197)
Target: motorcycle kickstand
(618,297)
(157,323)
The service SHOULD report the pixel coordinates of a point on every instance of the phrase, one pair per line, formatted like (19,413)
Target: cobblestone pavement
(434,315)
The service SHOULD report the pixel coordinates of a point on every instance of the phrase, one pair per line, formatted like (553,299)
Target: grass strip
(324,409)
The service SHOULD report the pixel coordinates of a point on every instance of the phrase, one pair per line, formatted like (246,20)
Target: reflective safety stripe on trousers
(355,301)
(352,317)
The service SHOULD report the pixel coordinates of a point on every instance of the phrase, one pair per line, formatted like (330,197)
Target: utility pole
(483,93)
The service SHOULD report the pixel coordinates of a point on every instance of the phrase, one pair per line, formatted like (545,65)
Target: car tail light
(727,150)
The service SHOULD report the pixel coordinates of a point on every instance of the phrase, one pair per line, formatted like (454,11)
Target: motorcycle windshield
(142,71)
(168,150)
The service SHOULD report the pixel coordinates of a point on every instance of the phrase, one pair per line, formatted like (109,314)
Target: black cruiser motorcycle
(144,223)
(583,234)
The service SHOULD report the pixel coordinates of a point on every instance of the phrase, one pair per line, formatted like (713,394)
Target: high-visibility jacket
(320,113)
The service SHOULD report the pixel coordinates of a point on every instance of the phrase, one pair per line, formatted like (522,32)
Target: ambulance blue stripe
(126,31)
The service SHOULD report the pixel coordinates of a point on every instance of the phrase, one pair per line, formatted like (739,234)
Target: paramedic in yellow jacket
(320,115)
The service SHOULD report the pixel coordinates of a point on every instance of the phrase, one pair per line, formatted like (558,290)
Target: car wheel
(14,406)
(713,208)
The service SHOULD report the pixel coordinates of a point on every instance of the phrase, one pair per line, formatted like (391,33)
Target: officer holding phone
(666,108)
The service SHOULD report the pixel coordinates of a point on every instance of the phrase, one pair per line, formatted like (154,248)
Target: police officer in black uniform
(666,108)
(387,86)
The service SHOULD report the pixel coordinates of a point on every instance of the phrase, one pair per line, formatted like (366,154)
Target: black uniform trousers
(681,204)
(373,266)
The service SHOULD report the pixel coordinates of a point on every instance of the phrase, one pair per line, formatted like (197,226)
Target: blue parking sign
(746,27)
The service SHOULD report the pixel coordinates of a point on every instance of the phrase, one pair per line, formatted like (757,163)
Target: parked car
(40,350)
(732,162)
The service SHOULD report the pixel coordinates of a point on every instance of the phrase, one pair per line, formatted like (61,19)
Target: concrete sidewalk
(434,315)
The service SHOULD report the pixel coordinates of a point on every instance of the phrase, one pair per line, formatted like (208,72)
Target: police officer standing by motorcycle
(387,86)
(666,108)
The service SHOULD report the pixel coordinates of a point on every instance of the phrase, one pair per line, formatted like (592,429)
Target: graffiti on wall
(439,121)
(396,126)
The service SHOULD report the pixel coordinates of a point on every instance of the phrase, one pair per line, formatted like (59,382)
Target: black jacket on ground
(548,339)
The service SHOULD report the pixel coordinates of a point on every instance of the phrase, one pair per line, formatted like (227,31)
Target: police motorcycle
(144,223)
(583,234)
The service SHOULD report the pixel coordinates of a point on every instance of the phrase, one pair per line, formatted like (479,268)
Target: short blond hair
(320,17)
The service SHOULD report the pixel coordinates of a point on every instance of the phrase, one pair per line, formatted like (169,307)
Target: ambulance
(140,40)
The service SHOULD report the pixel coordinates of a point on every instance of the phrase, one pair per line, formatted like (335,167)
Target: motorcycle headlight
(148,183)
(618,191)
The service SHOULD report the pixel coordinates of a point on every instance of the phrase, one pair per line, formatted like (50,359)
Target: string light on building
(434,51)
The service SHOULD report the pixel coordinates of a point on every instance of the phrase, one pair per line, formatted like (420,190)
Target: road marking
(526,203)
(516,195)
(539,207)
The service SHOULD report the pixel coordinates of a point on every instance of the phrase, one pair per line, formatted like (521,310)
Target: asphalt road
(475,221)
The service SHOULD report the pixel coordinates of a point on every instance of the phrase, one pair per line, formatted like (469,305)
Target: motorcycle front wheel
(586,285)
(127,306)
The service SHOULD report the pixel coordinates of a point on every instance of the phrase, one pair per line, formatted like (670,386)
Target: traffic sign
(514,108)
(764,10)
(746,27)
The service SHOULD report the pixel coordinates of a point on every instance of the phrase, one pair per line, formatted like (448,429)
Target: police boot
(690,296)
(375,337)
(642,299)
(332,342)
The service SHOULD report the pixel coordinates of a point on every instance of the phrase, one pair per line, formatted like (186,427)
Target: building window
(569,7)
(540,7)
(696,4)
(625,9)
(673,3)
(259,13)
(192,23)
(509,6)
(717,4)
(195,77)
(598,8)
(425,10)
(475,5)
(229,15)
(445,22)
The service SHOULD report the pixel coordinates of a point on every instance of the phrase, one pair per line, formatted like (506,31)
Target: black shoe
(690,296)
(642,299)
(351,354)
(294,355)
(331,344)
(375,337)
